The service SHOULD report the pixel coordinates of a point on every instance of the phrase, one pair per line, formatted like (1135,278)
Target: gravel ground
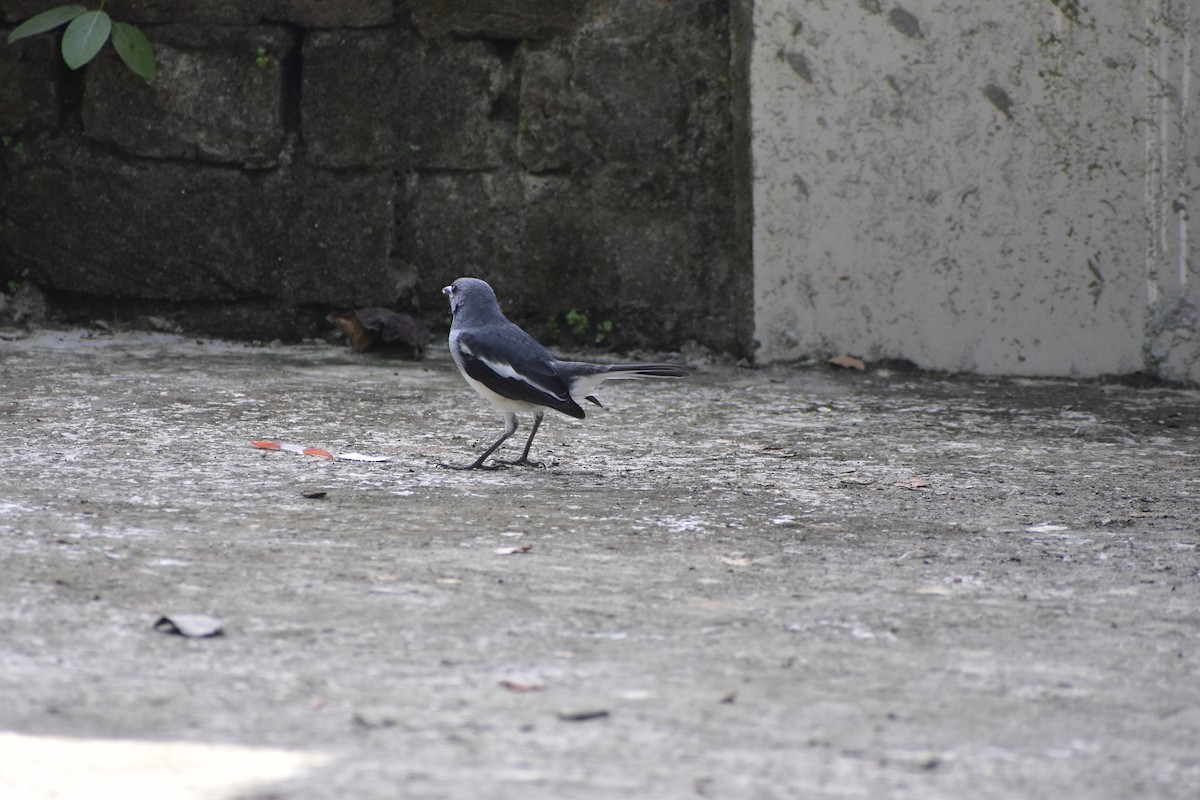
(753,583)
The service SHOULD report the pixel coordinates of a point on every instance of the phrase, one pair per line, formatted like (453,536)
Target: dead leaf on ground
(913,484)
(856,481)
(1046,527)
(847,362)
(513,551)
(583,715)
(193,626)
(521,687)
(368,327)
(373,723)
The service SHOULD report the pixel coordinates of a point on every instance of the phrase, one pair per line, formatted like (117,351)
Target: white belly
(499,400)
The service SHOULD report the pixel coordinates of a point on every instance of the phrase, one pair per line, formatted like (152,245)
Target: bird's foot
(524,461)
(476,465)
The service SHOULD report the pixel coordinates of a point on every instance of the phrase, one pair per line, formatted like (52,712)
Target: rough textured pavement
(784,583)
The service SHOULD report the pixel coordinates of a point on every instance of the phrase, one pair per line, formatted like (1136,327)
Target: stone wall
(298,155)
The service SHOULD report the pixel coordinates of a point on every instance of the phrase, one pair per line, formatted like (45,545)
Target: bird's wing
(513,365)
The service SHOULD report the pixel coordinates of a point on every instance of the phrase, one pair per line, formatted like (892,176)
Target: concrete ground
(779,583)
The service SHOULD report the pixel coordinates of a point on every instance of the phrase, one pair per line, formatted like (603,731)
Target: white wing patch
(460,350)
(505,370)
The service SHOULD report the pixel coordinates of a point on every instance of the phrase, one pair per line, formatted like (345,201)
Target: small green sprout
(577,321)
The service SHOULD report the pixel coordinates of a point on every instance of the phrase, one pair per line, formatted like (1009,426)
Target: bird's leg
(524,459)
(510,427)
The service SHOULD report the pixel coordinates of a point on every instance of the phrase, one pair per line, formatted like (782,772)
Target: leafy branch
(87,32)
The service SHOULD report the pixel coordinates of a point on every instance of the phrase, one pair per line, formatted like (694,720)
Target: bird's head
(472,295)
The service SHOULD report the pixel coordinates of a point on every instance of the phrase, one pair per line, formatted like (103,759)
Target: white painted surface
(61,768)
(991,187)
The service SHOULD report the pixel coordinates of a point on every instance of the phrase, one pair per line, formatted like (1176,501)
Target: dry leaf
(367,327)
(1046,527)
(856,481)
(367,723)
(583,715)
(193,626)
(913,484)
(517,686)
(847,362)
(347,322)
(512,551)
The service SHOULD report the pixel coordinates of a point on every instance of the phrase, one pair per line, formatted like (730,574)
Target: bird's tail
(586,378)
(644,371)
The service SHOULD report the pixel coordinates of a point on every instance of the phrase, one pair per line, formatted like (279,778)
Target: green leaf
(45,21)
(84,37)
(134,49)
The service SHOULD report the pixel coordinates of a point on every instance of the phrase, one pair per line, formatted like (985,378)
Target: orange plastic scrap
(316,452)
(294,448)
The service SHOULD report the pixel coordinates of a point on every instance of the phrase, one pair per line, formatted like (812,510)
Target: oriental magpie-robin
(515,373)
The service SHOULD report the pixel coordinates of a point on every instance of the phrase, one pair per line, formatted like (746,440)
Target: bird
(516,374)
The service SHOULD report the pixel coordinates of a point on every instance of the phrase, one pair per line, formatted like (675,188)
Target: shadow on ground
(752,584)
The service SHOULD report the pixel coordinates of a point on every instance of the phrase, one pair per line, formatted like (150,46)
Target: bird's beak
(446,290)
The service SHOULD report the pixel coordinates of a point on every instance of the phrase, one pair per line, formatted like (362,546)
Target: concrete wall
(997,187)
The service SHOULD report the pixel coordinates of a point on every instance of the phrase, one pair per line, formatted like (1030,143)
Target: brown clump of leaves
(368,328)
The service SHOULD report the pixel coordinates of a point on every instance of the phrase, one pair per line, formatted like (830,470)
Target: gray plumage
(515,373)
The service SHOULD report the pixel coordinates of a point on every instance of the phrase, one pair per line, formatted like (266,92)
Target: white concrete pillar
(996,187)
